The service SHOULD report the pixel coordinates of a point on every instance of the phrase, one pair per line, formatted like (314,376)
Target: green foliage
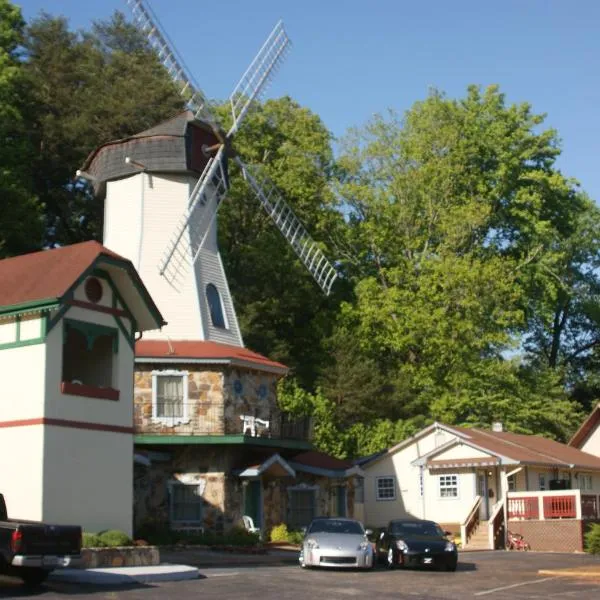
(160,534)
(114,537)
(279,533)
(91,540)
(592,539)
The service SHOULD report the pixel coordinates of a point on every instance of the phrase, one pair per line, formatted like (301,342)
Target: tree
(21,224)
(281,310)
(88,89)
(457,217)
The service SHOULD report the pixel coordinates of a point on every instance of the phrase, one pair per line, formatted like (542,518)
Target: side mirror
(382,535)
(368,532)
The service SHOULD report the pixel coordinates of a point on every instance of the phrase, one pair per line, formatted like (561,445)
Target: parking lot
(485,575)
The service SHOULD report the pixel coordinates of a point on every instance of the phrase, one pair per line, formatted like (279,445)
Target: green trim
(52,322)
(23,343)
(15,309)
(125,333)
(235,439)
(44,325)
(91,331)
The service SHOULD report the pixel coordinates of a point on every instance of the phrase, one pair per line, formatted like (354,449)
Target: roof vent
(497,426)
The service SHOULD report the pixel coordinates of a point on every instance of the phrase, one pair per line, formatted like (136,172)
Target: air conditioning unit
(559,484)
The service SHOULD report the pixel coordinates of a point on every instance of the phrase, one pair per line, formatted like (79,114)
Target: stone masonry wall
(217,398)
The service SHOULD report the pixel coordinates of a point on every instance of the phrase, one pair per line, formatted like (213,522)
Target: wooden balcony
(562,504)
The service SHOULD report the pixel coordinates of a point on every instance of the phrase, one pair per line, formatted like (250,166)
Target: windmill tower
(163,187)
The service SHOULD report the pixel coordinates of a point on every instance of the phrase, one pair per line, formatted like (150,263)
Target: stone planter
(120,556)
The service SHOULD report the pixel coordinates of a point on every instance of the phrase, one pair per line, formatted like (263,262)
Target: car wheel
(33,576)
(390,558)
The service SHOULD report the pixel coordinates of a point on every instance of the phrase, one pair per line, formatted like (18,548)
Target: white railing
(471,521)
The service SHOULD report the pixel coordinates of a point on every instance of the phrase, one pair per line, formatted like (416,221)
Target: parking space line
(514,585)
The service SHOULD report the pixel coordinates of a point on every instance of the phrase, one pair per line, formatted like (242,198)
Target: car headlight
(450,547)
(364,546)
(401,545)
(312,544)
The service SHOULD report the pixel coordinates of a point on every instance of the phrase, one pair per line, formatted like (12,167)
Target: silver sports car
(336,542)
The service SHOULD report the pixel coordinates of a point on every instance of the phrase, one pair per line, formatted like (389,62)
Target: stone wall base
(121,556)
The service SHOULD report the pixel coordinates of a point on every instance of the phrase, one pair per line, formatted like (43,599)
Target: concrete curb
(125,575)
(569,573)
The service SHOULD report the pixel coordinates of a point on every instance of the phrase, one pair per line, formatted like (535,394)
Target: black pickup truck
(31,550)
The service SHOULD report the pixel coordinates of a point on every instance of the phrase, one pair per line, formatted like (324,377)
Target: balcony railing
(563,504)
(197,418)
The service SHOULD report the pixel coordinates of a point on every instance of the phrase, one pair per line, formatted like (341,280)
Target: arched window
(215,306)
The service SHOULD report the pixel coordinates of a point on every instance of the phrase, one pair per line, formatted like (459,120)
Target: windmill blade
(258,75)
(291,228)
(147,22)
(193,227)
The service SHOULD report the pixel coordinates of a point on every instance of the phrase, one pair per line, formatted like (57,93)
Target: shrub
(91,540)
(114,537)
(279,533)
(592,539)
(295,537)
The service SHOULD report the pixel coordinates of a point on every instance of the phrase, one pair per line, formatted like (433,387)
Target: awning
(457,463)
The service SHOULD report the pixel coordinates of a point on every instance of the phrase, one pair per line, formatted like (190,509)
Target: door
(341,500)
(252,501)
(482,490)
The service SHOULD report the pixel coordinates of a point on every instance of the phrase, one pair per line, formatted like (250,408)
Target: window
(542,481)
(359,490)
(585,482)
(169,397)
(89,359)
(302,504)
(215,306)
(185,504)
(385,488)
(512,483)
(448,486)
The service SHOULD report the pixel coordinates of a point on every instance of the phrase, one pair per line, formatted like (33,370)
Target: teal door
(341,501)
(252,502)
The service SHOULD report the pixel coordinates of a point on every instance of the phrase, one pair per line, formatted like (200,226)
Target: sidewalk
(176,565)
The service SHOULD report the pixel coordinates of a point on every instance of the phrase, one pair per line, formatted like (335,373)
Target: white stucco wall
(449,510)
(21,468)
(460,451)
(88,478)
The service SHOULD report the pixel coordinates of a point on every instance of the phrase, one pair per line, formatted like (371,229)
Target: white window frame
(448,486)
(182,525)
(169,420)
(585,482)
(511,483)
(378,497)
(542,482)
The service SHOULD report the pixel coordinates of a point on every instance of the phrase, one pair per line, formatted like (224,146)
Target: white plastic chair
(249,524)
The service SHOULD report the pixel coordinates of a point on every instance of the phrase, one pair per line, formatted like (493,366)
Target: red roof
(313,458)
(47,274)
(205,352)
(532,449)
(587,427)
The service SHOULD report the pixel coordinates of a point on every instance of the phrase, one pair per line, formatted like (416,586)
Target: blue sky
(353,58)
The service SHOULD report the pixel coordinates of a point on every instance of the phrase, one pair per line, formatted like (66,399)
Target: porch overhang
(275,466)
(330,473)
(457,463)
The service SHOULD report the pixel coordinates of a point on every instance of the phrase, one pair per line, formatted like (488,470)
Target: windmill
(192,245)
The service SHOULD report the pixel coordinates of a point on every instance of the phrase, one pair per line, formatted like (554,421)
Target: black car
(416,543)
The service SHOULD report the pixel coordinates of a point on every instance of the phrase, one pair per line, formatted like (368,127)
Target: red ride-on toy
(516,541)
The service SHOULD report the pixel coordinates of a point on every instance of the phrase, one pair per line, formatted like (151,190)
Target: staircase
(479,540)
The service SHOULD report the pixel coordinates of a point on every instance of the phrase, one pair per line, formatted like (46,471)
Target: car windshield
(336,526)
(420,529)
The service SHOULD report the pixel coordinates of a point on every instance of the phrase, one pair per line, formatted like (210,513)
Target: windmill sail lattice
(204,202)
(291,228)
